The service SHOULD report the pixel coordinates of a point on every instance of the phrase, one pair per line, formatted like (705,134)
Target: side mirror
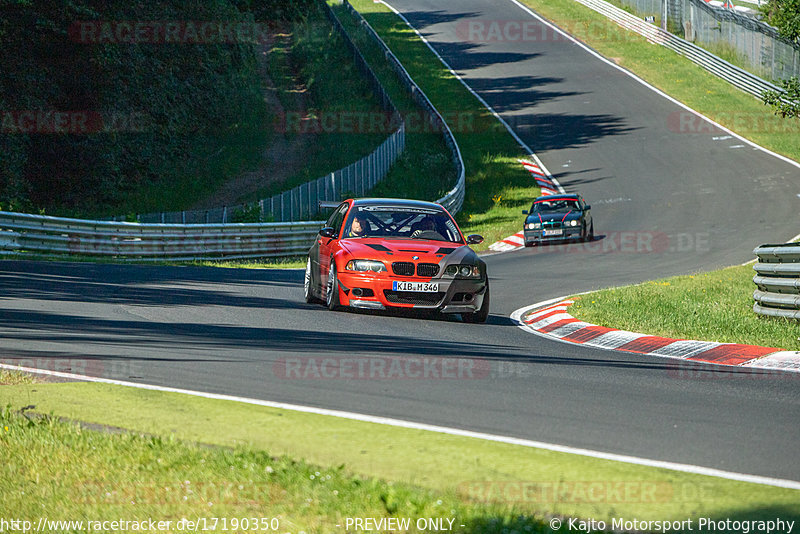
(474,239)
(327,232)
(524,212)
(587,207)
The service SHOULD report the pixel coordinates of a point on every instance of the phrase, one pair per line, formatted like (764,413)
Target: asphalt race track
(665,201)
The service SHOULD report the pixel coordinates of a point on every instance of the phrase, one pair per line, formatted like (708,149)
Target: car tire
(482,314)
(332,290)
(590,237)
(529,243)
(308,288)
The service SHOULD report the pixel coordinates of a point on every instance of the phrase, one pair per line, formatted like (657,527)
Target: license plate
(418,287)
(553,232)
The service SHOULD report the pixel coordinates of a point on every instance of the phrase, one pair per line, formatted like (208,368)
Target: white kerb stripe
(547,321)
(568,329)
(685,348)
(614,339)
(784,360)
(535,315)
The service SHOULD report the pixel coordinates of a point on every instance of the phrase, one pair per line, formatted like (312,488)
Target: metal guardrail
(454,198)
(778,280)
(153,242)
(747,82)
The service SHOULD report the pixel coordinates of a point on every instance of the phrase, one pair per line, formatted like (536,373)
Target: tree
(785,104)
(784,15)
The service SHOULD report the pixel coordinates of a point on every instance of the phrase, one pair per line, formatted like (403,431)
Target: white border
(685,468)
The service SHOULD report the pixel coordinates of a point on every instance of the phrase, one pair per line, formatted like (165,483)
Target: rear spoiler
(329,204)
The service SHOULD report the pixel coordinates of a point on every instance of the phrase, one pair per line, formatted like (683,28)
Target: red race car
(390,253)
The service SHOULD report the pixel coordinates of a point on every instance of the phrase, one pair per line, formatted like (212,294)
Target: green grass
(497,185)
(714,306)
(289,262)
(424,169)
(64,472)
(676,76)
(15,378)
(430,474)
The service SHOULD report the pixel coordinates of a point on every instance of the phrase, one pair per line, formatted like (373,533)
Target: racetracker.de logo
(532,31)
(686,122)
(24,122)
(96,367)
(581,491)
(167,32)
(498,31)
(375,368)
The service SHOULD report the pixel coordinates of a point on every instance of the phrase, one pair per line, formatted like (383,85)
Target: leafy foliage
(785,104)
(160,111)
(784,15)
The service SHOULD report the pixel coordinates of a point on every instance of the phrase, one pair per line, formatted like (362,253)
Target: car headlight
(366,265)
(463,271)
(573,222)
(533,226)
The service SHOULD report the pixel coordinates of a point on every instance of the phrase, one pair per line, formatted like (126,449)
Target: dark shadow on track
(558,131)
(43,327)
(142,285)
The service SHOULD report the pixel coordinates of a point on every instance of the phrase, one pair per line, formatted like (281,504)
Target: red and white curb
(547,184)
(552,320)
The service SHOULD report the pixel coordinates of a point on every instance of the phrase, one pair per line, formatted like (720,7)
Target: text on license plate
(553,232)
(420,287)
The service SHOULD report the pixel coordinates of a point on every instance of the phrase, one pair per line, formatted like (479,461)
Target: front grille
(428,270)
(412,297)
(403,268)
(552,225)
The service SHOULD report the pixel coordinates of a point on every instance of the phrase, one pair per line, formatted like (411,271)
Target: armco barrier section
(778,280)
(454,198)
(749,83)
(54,235)
(302,202)
(720,23)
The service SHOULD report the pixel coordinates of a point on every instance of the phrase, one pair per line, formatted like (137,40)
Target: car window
(555,205)
(336,219)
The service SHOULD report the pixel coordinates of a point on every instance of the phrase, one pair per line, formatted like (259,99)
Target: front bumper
(568,233)
(454,295)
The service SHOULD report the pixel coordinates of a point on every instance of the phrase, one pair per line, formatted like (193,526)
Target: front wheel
(332,290)
(482,314)
(308,288)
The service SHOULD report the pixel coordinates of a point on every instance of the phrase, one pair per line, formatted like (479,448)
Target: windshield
(401,223)
(548,206)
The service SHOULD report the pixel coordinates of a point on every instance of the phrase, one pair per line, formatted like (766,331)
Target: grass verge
(486,486)
(714,306)
(78,479)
